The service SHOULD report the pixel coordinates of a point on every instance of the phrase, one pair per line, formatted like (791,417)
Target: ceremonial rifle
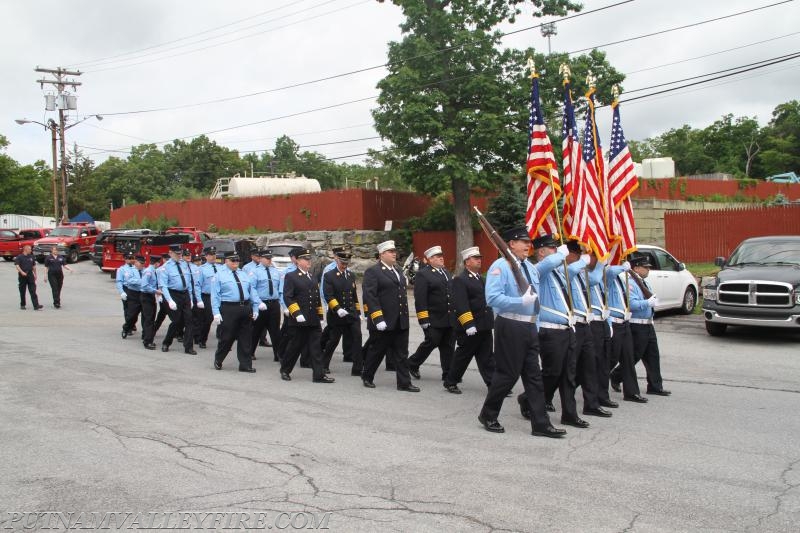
(502,247)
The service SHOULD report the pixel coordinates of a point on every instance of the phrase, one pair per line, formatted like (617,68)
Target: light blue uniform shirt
(638,303)
(149,281)
(553,302)
(261,280)
(291,268)
(169,278)
(330,266)
(224,289)
(502,293)
(577,276)
(249,267)
(616,291)
(123,273)
(209,272)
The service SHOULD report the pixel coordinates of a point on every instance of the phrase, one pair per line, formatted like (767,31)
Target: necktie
(527,274)
(269,277)
(191,278)
(140,274)
(238,286)
(183,279)
(215,268)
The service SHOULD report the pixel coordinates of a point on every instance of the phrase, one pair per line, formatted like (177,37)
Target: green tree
(198,164)
(24,189)
(781,142)
(507,209)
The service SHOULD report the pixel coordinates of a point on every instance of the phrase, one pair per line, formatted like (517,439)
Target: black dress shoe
(659,392)
(265,344)
(599,411)
(57,306)
(637,398)
(452,389)
(285,376)
(549,431)
(252,357)
(548,406)
(615,385)
(248,370)
(150,346)
(179,339)
(324,379)
(368,384)
(191,351)
(202,345)
(38,307)
(217,365)
(134,330)
(355,373)
(414,373)
(524,408)
(327,370)
(124,334)
(608,403)
(575,422)
(409,388)
(492,426)
(164,348)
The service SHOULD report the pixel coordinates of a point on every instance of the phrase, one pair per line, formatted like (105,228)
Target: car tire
(689,301)
(72,255)
(715,329)
(8,258)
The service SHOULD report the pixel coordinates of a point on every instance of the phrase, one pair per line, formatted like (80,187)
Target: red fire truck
(147,243)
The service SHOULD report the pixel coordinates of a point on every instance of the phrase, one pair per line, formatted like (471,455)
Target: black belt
(177,291)
(238,304)
(131,290)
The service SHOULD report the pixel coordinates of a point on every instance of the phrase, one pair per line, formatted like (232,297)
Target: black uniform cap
(175,248)
(129,256)
(638,259)
(140,258)
(266,252)
(545,241)
(233,256)
(519,233)
(186,252)
(574,246)
(210,251)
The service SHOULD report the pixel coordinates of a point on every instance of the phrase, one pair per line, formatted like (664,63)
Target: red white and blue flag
(622,181)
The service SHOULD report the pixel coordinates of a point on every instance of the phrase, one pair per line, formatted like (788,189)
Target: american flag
(542,181)
(571,161)
(607,227)
(622,181)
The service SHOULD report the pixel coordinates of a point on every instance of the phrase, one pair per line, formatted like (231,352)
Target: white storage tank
(238,187)
(658,167)
(13,221)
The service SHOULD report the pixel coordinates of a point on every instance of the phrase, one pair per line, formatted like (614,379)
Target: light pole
(548,30)
(57,130)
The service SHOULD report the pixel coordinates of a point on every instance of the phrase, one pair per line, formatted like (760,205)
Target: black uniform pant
(56,280)
(602,343)
(645,348)
(148,317)
(132,310)
(350,334)
(442,338)
(27,283)
(268,320)
(586,365)
(559,367)
(389,343)
(237,325)
(516,355)
(304,338)
(198,318)
(206,317)
(163,313)
(478,346)
(621,359)
(180,320)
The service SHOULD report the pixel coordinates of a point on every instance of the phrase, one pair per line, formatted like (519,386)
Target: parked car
(675,287)
(72,240)
(11,242)
(281,259)
(758,285)
(241,246)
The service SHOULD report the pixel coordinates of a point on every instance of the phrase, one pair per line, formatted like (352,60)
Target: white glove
(652,301)
(563,250)
(217,319)
(341,312)
(471,331)
(159,298)
(123,296)
(285,311)
(255,316)
(172,305)
(586,258)
(605,313)
(610,331)
(626,266)
(530,297)
(262,306)
(201,305)
(627,315)
(426,325)
(381,325)
(300,319)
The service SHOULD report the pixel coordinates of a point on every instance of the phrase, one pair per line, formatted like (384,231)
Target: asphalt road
(91,422)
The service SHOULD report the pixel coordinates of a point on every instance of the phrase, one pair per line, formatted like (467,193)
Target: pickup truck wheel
(72,255)
(716,329)
(689,301)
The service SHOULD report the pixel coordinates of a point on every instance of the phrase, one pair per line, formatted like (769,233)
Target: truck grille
(755,293)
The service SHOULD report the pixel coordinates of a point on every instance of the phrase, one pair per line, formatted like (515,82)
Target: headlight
(797,296)
(709,294)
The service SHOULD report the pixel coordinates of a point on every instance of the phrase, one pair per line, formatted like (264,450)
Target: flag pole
(615,92)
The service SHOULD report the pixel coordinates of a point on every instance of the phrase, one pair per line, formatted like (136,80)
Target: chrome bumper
(793,321)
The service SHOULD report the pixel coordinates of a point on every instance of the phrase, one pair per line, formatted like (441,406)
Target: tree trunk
(463,220)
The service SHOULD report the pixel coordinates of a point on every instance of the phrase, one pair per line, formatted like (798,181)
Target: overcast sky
(134,58)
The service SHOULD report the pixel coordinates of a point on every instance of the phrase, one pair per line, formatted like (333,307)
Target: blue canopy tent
(83,216)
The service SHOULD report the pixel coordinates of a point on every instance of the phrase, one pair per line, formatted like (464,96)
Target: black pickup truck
(758,285)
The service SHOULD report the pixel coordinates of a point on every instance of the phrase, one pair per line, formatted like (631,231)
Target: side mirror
(719,261)
(681,267)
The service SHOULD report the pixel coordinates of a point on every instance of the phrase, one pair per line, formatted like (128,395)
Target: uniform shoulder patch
(495,272)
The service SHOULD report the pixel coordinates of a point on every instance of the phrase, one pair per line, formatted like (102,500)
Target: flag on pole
(622,181)
(544,189)
(571,162)
(599,215)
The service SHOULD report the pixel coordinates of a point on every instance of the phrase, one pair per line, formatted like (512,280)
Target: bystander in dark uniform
(344,313)
(234,303)
(25,264)
(301,296)
(385,298)
(149,287)
(174,279)
(475,323)
(285,332)
(133,295)
(55,264)
(516,340)
(209,273)
(267,280)
(433,286)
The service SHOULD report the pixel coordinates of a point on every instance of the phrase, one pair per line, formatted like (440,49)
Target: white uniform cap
(472,251)
(433,250)
(386,245)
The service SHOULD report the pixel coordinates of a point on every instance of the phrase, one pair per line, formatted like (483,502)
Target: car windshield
(65,232)
(766,253)
(281,250)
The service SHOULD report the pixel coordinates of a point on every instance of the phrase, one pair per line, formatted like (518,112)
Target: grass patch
(700,270)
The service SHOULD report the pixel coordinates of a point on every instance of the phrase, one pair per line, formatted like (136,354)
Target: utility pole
(548,30)
(65,102)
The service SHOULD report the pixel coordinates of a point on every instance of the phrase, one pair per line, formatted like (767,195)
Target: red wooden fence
(700,236)
(327,210)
